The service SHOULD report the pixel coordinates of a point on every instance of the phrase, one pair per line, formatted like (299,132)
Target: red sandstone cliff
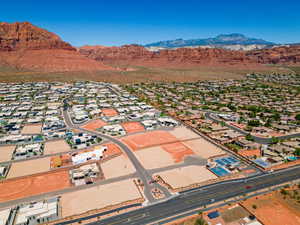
(277,55)
(24,45)
(134,54)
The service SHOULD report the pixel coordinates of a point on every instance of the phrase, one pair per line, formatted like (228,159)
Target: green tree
(297,152)
(274,140)
(200,221)
(253,123)
(297,117)
(249,137)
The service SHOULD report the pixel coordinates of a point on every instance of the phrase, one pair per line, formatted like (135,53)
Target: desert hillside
(25,46)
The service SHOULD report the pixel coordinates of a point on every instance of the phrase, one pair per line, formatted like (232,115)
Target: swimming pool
(219,171)
(292,158)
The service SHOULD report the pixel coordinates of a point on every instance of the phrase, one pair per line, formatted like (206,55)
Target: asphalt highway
(201,197)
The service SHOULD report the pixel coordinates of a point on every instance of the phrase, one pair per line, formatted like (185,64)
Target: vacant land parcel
(6,152)
(52,147)
(118,166)
(29,167)
(37,184)
(32,129)
(98,197)
(185,176)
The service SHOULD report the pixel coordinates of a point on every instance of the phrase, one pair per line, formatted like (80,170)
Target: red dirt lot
(178,151)
(33,185)
(271,210)
(109,112)
(139,141)
(133,127)
(112,149)
(93,125)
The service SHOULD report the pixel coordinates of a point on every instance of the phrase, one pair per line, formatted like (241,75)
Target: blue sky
(117,22)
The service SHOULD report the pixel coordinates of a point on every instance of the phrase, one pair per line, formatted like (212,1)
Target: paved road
(201,197)
(259,140)
(141,171)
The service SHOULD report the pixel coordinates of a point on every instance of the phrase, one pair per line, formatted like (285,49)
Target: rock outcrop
(17,36)
(277,55)
(26,46)
(135,54)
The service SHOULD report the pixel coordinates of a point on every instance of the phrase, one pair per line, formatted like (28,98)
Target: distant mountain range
(228,41)
(25,46)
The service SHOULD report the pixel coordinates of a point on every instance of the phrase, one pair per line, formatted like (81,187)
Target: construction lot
(28,167)
(32,129)
(98,197)
(186,176)
(6,152)
(94,125)
(12,189)
(59,146)
(275,208)
(116,167)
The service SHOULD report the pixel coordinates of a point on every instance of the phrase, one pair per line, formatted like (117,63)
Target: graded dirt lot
(154,157)
(52,147)
(117,167)
(29,167)
(132,127)
(185,176)
(109,112)
(196,143)
(112,149)
(98,197)
(93,125)
(271,209)
(33,185)
(6,152)
(178,151)
(32,129)
(149,139)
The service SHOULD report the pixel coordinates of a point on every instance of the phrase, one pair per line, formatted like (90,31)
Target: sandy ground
(112,149)
(133,127)
(32,129)
(6,152)
(93,125)
(116,167)
(52,147)
(185,176)
(271,211)
(203,148)
(78,202)
(149,139)
(33,185)
(109,112)
(29,167)
(178,151)
(154,157)
(196,143)
(182,133)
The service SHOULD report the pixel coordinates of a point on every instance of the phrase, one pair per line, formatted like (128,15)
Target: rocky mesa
(138,55)
(26,46)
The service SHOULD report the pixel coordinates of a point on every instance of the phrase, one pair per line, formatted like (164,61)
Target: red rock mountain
(277,55)
(24,45)
(134,54)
